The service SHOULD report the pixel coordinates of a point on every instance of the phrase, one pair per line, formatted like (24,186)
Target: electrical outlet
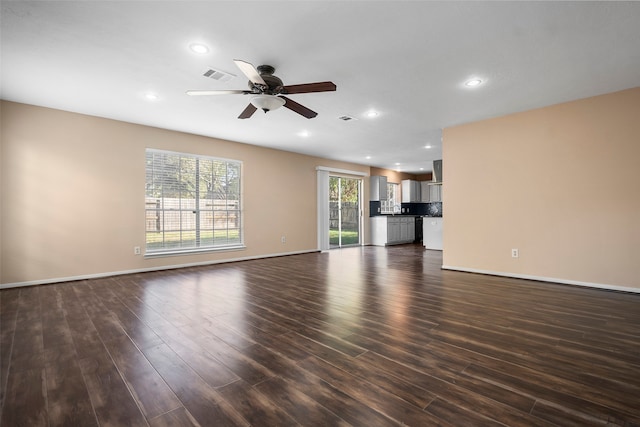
(136,250)
(515,253)
(283,239)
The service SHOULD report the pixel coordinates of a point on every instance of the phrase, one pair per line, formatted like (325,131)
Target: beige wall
(73,194)
(561,184)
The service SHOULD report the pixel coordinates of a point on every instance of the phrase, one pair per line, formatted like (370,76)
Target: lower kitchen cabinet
(392,230)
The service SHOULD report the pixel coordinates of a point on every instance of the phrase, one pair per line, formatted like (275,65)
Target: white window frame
(168,212)
(393,189)
(392,204)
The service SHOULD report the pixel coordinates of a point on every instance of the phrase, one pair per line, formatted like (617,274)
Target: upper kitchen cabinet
(411,191)
(430,192)
(425,190)
(435,192)
(378,186)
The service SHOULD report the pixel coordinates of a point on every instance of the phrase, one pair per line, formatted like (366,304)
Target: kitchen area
(413,216)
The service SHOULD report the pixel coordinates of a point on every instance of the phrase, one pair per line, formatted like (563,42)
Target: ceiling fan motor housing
(274,84)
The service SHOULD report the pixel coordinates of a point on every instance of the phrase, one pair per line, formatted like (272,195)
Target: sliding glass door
(344,211)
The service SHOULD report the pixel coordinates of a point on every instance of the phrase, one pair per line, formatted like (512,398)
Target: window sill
(183,252)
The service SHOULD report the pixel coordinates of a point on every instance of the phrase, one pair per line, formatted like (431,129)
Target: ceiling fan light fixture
(267,102)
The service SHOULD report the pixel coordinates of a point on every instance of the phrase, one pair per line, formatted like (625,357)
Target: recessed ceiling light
(199,48)
(428,146)
(473,83)
(151,96)
(397,164)
(303,133)
(368,157)
(372,113)
(421,169)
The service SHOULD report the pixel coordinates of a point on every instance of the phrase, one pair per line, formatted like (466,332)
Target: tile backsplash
(434,209)
(418,209)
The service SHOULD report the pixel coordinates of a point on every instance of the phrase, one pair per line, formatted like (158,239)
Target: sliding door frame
(323,202)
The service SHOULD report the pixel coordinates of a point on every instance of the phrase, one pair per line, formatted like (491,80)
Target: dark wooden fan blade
(250,71)
(310,87)
(300,109)
(248,112)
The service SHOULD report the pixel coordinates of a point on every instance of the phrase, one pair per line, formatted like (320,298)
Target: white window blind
(193,203)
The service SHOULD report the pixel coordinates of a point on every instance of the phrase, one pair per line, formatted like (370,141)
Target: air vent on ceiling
(346,118)
(221,76)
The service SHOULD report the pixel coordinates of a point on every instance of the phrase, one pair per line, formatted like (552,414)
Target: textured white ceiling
(406,59)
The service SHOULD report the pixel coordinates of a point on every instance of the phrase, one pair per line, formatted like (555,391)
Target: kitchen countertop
(408,215)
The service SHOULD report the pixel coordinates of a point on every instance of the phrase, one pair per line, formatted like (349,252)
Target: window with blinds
(393,199)
(193,203)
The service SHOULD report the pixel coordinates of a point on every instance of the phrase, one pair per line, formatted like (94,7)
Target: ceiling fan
(269,91)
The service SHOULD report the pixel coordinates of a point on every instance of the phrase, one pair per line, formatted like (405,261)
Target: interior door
(344,211)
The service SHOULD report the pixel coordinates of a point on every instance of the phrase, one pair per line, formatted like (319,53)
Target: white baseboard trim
(146,270)
(544,279)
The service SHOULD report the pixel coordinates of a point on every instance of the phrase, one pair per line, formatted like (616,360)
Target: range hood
(437,171)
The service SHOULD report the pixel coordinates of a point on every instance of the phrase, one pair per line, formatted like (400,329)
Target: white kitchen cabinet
(378,187)
(407,229)
(404,235)
(430,191)
(435,193)
(392,230)
(425,189)
(411,191)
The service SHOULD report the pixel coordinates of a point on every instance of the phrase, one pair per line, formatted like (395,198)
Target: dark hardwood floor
(362,336)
